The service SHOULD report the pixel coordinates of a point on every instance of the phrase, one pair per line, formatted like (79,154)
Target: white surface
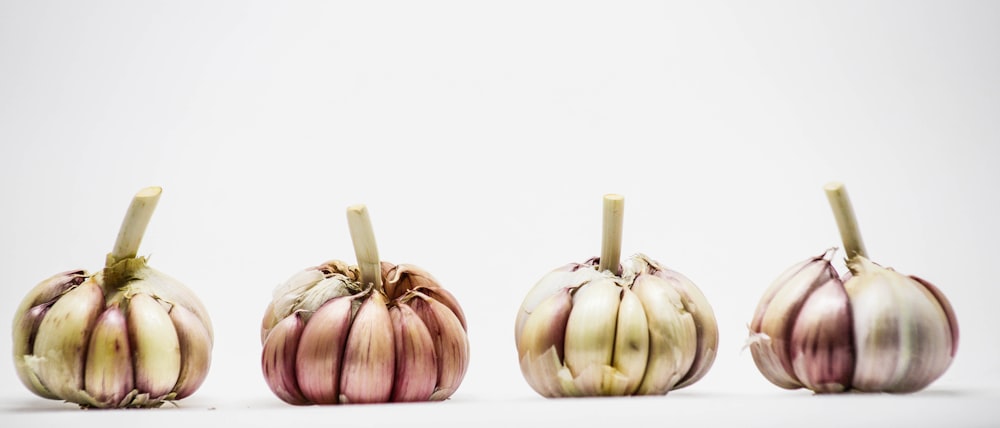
(482,137)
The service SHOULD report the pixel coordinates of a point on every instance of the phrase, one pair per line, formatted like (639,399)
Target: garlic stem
(611,237)
(850,235)
(134,224)
(364,245)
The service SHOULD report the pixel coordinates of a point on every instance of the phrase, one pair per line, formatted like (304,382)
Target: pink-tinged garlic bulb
(607,328)
(127,336)
(877,331)
(371,333)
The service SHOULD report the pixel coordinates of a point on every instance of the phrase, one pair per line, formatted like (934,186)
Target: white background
(482,135)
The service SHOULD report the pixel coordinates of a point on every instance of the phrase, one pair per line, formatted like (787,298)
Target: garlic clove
(903,334)
(696,304)
(416,363)
(822,340)
(156,346)
(949,312)
(29,317)
(278,359)
(590,330)
(672,335)
(451,344)
(545,327)
(775,317)
(321,351)
(367,375)
(108,375)
(544,331)
(571,276)
(631,352)
(57,359)
(195,342)
(26,325)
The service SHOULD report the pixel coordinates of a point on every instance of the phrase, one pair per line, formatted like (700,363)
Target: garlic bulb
(127,336)
(876,331)
(371,333)
(600,328)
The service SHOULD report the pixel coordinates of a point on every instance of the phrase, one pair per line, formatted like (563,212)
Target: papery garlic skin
(128,336)
(881,331)
(329,339)
(582,332)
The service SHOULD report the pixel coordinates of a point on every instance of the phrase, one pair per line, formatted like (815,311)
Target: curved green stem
(611,237)
(364,245)
(134,224)
(850,235)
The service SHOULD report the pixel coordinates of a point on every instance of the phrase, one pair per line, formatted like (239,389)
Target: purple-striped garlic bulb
(371,333)
(876,330)
(126,336)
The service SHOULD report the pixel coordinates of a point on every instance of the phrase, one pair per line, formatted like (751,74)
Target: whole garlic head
(586,330)
(881,331)
(371,333)
(875,331)
(583,332)
(127,336)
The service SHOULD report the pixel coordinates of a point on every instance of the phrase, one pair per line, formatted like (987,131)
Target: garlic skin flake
(875,331)
(126,336)
(374,332)
(585,331)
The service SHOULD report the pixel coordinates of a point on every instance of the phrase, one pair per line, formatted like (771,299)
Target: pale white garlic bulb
(604,328)
(875,331)
(126,336)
